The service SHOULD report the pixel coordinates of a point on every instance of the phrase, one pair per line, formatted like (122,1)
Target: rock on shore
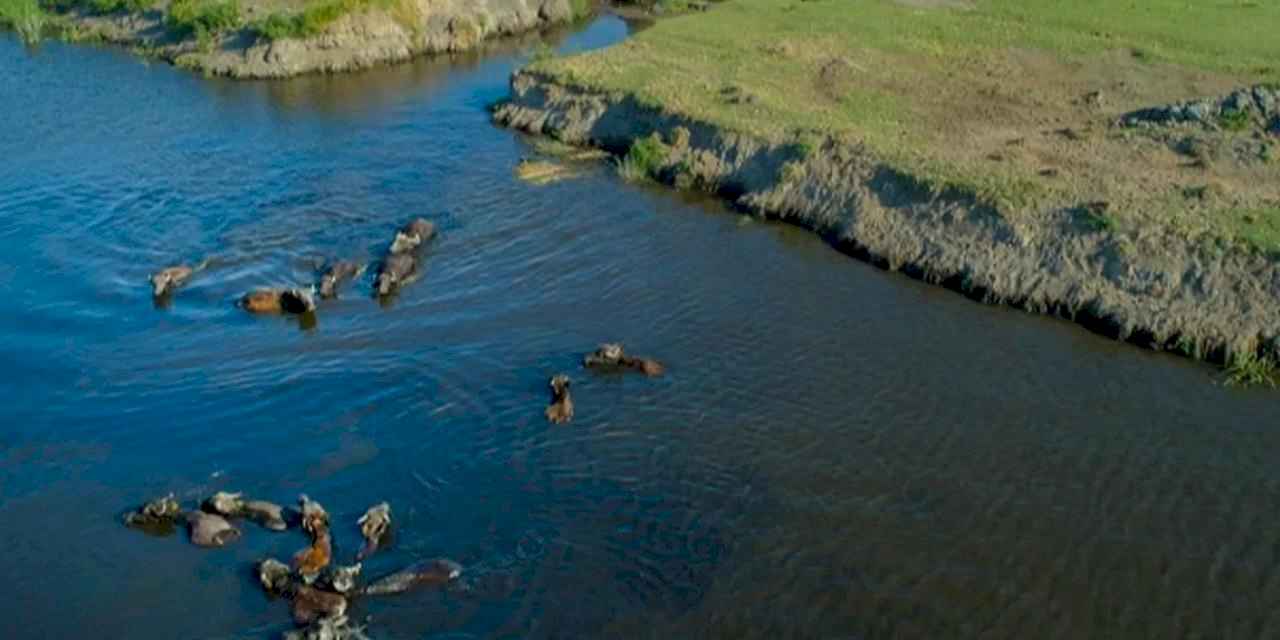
(1242,108)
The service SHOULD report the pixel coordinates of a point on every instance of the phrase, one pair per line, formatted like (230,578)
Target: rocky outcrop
(1258,105)
(1154,289)
(374,36)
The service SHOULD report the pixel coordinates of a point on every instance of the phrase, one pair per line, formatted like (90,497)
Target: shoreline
(1155,290)
(355,41)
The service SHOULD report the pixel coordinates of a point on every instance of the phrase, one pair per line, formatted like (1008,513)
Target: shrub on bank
(644,159)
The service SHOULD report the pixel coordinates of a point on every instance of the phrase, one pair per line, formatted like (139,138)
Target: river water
(836,451)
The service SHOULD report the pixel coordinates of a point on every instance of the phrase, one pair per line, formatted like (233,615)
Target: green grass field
(766,44)
(982,95)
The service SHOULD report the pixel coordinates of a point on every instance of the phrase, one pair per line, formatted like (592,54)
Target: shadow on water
(835,452)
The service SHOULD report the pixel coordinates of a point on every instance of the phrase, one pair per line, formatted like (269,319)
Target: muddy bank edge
(1152,289)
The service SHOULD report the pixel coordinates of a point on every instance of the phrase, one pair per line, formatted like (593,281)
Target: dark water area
(836,451)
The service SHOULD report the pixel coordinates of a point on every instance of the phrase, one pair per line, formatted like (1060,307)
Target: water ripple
(834,452)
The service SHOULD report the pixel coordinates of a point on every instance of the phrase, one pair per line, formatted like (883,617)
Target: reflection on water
(835,452)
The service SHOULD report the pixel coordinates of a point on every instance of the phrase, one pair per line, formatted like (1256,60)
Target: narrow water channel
(836,451)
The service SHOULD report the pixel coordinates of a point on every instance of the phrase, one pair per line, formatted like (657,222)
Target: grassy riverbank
(283,38)
(200,20)
(1012,101)
(1115,164)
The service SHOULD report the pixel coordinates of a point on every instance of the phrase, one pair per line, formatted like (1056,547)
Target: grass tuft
(408,14)
(644,160)
(317,17)
(1098,221)
(1248,369)
(1234,120)
(1258,228)
(205,19)
(1188,347)
(581,8)
(542,52)
(664,6)
(120,6)
(277,26)
(631,171)
(792,171)
(24,16)
(101,7)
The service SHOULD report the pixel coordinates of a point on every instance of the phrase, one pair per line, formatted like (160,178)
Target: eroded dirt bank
(355,41)
(1150,287)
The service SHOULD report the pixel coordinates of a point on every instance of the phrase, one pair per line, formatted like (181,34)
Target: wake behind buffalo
(400,265)
(319,590)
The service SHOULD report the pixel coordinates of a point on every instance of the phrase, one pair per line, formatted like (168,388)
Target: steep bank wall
(1152,288)
(355,41)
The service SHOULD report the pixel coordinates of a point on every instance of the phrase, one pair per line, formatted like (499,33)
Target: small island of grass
(282,38)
